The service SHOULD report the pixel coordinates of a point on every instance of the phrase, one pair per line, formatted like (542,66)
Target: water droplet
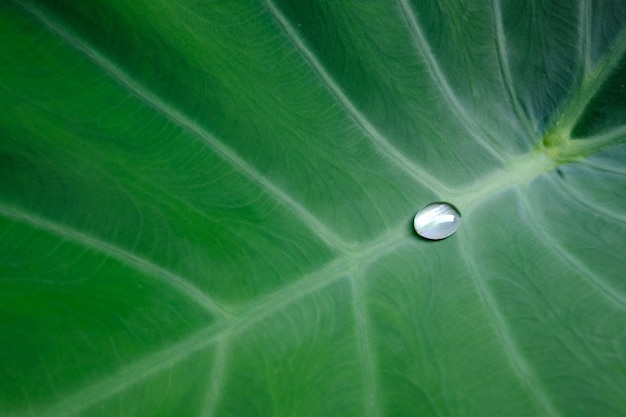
(437,221)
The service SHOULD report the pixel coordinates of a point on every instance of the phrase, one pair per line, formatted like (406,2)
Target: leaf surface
(206,208)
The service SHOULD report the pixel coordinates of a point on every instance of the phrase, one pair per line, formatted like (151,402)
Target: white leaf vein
(336,269)
(382,143)
(585,35)
(518,362)
(122,255)
(603,287)
(368,364)
(502,48)
(226,153)
(577,197)
(217,377)
(227,327)
(441,81)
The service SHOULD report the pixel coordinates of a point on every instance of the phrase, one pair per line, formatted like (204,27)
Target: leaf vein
(382,143)
(439,78)
(217,378)
(181,120)
(238,322)
(120,254)
(585,35)
(127,376)
(590,85)
(518,362)
(577,197)
(366,359)
(604,288)
(501,47)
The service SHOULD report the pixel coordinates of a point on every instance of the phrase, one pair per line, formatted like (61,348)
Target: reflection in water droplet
(437,221)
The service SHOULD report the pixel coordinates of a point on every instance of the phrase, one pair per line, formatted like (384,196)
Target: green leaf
(206,208)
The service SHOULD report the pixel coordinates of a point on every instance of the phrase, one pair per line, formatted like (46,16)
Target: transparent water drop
(437,221)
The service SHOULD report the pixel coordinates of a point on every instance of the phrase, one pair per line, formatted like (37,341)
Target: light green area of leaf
(206,207)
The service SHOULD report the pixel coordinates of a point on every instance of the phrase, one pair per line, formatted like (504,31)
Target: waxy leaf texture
(206,208)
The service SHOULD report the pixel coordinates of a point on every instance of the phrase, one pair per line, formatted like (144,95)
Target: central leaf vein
(238,322)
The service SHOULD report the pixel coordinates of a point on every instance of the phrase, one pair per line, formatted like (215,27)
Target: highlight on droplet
(437,221)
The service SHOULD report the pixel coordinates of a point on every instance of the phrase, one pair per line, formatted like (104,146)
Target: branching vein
(444,86)
(371,407)
(180,119)
(378,139)
(575,195)
(128,376)
(230,326)
(591,84)
(343,266)
(501,46)
(120,254)
(217,377)
(604,288)
(519,364)
(585,36)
